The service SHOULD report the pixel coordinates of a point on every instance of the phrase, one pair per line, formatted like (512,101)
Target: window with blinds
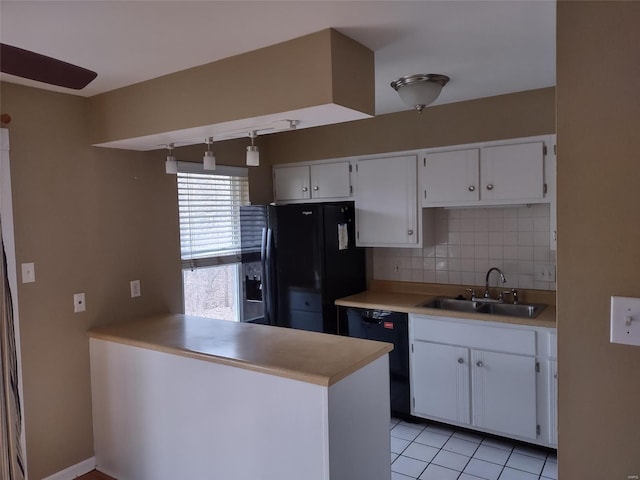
(209,208)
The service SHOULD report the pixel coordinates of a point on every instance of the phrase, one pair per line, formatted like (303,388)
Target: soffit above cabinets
(309,80)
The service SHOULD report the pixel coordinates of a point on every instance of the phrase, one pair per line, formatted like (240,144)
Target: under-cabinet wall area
(467,242)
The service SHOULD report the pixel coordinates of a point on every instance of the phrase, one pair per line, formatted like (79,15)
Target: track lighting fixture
(253,153)
(209,158)
(171,165)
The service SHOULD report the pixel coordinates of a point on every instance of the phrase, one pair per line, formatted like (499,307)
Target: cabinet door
(330,180)
(512,172)
(440,381)
(504,393)
(291,183)
(386,202)
(451,177)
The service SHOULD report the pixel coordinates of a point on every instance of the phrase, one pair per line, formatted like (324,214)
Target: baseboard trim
(74,470)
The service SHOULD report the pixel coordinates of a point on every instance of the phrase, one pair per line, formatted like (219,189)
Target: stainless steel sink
(518,310)
(521,310)
(443,303)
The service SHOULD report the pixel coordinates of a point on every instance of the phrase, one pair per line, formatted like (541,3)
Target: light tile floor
(430,451)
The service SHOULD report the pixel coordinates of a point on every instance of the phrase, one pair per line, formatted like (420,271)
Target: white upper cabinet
(291,183)
(512,172)
(488,174)
(451,177)
(386,202)
(309,181)
(330,180)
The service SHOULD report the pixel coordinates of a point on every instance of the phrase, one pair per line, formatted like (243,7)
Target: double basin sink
(521,310)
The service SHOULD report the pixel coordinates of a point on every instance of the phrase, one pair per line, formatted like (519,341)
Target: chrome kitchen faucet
(487,295)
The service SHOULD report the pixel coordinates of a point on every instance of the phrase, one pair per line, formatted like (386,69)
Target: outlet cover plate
(135,288)
(79,304)
(28,273)
(625,320)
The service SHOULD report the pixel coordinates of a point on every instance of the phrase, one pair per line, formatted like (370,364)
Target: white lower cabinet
(480,375)
(440,385)
(504,393)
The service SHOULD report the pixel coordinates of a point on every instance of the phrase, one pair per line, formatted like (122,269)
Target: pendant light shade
(171,164)
(420,90)
(209,158)
(253,153)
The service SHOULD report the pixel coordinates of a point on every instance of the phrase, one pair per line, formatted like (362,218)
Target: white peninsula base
(162,416)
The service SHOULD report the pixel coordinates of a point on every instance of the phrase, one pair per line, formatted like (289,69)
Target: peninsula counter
(177,396)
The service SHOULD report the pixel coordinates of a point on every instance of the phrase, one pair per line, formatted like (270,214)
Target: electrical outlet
(135,288)
(28,273)
(79,304)
(545,273)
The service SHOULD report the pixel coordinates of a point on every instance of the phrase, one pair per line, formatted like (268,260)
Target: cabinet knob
(304,189)
(479,363)
(461,360)
(472,188)
(490,187)
(316,188)
(409,232)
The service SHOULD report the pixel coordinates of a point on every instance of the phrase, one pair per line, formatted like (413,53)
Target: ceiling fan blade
(34,66)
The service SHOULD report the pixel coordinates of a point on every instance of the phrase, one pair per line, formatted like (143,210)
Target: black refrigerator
(308,259)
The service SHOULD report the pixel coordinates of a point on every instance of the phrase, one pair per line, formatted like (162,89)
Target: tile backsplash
(467,242)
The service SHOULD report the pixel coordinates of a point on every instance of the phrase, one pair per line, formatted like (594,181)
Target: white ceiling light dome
(421,89)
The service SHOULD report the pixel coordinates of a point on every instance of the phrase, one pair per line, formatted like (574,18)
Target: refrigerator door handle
(266,291)
(268,274)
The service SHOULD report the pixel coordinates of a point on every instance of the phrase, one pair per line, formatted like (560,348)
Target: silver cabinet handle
(409,232)
(490,187)
(304,189)
(472,188)
(316,188)
(479,363)
(460,360)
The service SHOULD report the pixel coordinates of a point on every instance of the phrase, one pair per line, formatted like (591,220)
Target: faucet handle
(472,291)
(514,292)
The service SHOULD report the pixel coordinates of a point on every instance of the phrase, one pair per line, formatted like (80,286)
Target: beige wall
(506,116)
(91,220)
(598,232)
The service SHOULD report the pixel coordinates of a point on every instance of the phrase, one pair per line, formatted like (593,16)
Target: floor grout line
(452,431)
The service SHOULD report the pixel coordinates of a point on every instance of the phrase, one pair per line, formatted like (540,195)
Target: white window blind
(209,208)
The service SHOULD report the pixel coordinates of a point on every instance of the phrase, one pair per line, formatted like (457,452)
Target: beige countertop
(310,357)
(410,303)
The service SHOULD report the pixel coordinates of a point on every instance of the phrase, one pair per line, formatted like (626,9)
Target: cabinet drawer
(487,337)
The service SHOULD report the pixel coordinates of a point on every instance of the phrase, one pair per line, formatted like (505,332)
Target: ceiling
(486,47)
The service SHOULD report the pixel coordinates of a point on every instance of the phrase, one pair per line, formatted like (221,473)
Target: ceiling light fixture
(421,89)
(253,153)
(171,165)
(209,158)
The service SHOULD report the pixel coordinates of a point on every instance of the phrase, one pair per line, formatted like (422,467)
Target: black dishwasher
(391,327)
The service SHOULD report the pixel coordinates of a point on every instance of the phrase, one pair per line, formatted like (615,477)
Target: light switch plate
(625,320)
